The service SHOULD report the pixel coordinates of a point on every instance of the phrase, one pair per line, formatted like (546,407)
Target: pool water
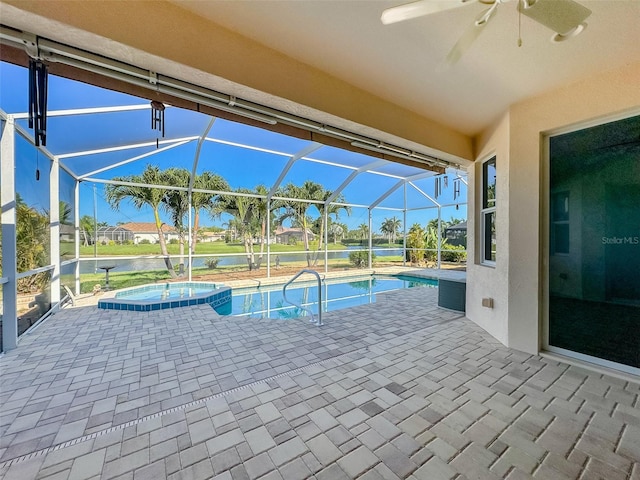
(166,291)
(268,302)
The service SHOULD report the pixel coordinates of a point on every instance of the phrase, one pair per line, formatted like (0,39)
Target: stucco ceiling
(402,62)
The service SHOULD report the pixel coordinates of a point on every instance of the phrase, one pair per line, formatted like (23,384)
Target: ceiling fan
(565,17)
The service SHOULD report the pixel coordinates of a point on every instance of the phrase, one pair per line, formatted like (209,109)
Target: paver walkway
(397,389)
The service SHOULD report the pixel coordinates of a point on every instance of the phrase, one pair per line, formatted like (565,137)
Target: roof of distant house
(281,230)
(146,227)
(458,226)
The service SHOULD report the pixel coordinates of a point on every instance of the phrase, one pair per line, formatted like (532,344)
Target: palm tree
(230,225)
(444,224)
(176,204)
(141,196)
(336,230)
(390,227)
(87,228)
(210,182)
(64,213)
(363,229)
(65,217)
(332,209)
(297,210)
(247,222)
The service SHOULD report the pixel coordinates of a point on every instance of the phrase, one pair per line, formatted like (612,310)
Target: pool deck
(395,389)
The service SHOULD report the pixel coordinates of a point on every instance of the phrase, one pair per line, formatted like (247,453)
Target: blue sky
(241,167)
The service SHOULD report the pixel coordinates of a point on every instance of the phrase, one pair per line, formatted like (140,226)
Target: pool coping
(419,272)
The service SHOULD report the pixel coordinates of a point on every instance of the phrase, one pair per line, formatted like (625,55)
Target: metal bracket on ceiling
(153,78)
(232,101)
(30,42)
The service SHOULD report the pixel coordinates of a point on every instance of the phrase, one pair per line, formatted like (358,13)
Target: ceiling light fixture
(561,37)
(565,17)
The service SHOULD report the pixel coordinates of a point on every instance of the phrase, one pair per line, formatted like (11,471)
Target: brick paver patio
(397,389)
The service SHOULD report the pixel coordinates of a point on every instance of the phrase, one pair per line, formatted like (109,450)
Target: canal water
(142,264)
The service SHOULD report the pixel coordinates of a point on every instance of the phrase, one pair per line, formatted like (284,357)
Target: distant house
(211,236)
(287,235)
(67,232)
(148,231)
(117,234)
(456,234)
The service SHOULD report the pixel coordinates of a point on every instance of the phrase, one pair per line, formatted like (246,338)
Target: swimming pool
(167,295)
(338,293)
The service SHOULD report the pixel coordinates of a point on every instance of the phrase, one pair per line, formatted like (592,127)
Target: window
(488,212)
(560,223)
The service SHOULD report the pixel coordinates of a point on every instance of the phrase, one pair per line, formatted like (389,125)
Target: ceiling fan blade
(470,35)
(419,9)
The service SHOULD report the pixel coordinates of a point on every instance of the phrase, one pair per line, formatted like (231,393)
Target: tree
(64,213)
(247,221)
(208,200)
(87,230)
(390,227)
(176,204)
(444,224)
(32,242)
(337,230)
(297,210)
(65,217)
(363,231)
(331,210)
(431,241)
(132,190)
(416,242)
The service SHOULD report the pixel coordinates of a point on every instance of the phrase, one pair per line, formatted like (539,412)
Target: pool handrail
(284,295)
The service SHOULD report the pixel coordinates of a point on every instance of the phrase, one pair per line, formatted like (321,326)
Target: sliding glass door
(594,243)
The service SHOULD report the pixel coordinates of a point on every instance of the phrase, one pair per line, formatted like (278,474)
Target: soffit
(402,62)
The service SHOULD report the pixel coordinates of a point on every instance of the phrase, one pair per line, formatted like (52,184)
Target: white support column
(54,239)
(76,222)
(192,180)
(9,248)
(370,241)
(326,237)
(404,229)
(268,239)
(190,237)
(439,235)
(95,229)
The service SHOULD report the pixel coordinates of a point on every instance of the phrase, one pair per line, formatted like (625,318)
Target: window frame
(487,210)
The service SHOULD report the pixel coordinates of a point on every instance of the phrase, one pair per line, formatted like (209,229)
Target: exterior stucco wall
(594,100)
(489,281)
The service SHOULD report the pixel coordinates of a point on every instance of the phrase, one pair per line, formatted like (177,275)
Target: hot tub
(167,295)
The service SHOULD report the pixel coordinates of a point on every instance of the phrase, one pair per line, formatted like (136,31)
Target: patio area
(395,389)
